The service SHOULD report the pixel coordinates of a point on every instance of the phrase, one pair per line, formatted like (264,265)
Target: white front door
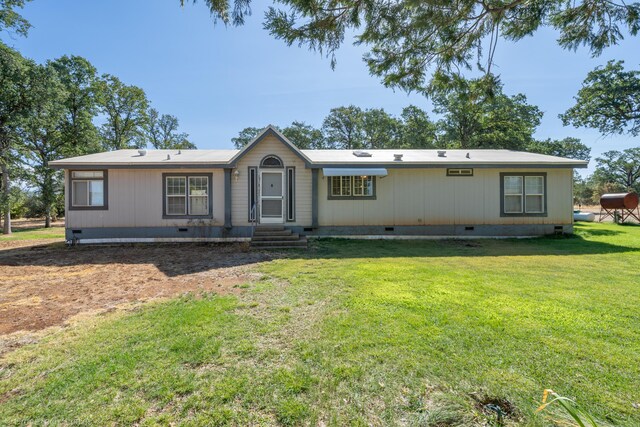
(271,197)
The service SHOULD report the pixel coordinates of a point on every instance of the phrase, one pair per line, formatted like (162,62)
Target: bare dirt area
(45,283)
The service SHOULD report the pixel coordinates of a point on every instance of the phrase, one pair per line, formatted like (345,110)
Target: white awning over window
(354,171)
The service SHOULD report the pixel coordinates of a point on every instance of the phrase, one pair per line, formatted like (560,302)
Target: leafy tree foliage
(304,135)
(10,20)
(49,111)
(42,134)
(470,119)
(162,132)
(568,147)
(80,82)
(609,101)
(476,114)
(417,130)
(343,128)
(125,108)
(14,106)
(380,130)
(227,11)
(245,136)
(620,168)
(583,190)
(408,38)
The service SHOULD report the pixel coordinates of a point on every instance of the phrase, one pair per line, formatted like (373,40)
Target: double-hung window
(88,190)
(352,187)
(187,195)
(523,194)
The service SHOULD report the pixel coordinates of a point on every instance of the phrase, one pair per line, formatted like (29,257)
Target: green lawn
(362,333)
(34,233)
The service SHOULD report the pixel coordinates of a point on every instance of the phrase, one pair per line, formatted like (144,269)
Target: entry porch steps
(277,237)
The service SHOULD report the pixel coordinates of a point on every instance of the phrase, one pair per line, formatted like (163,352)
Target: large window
(187,195)
(88,190)
(523,194)
(352,187)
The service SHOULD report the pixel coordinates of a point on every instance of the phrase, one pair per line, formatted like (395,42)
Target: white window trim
(169,196)
(105,190)
(187,196)
(352,188)
(523,194)
(541,195)
(192,196)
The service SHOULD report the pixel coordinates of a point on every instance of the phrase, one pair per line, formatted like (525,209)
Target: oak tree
(609,101)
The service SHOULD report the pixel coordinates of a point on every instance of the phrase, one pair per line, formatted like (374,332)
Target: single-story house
(161,195)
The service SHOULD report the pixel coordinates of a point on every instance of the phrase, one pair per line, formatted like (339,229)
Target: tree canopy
(14,107)
(609,101)
(10,20)
(621,168)
(469,119)
(125,108)
(408,39)
(162,132)
(567,147)
(477,114)
(53,110)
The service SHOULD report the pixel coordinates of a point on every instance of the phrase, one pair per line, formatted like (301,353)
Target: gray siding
(135,200)
(406,197)
(429,197)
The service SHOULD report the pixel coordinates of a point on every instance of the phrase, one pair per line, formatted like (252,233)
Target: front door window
(271,197)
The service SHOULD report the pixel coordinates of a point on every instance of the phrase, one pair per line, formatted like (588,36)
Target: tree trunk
(6,229)
(47,219)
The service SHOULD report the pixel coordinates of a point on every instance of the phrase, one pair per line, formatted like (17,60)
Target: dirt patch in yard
(44,284)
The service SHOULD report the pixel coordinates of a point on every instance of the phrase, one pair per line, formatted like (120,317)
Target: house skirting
(243,233)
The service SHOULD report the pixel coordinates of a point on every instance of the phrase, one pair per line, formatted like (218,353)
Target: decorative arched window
(271,161)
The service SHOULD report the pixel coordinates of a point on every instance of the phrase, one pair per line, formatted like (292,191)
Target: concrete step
(271,237)
(274,233)
(270,227)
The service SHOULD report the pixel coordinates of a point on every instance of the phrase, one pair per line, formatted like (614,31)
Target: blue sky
(218,80)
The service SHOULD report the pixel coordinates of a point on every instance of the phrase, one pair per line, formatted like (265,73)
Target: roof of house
(317,158)
(387,156)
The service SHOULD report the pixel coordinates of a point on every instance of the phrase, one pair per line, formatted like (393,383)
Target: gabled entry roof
(269,131)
